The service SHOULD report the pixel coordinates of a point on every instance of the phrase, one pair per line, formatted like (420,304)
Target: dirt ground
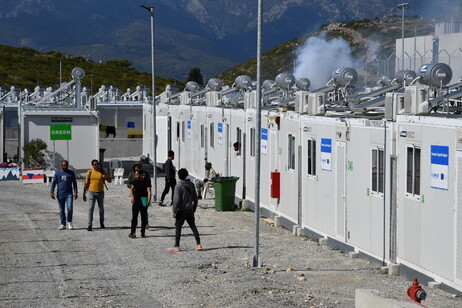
(44,267)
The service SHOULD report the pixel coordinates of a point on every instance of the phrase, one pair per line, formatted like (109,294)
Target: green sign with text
(60,132)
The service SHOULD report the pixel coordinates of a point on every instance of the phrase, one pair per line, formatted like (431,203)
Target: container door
(340,173)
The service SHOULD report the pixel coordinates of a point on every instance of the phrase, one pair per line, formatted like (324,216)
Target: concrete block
(434,285)
(297,231)
(353,254)
(246,205)
(322,241)
(393,269)
(384,270)
(294,230)
(277,221)
(365,298)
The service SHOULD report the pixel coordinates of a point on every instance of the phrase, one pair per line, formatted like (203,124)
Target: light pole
(153,91)
(256,256)
(402,7)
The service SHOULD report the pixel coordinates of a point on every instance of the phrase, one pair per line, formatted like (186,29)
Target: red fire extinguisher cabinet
(275,184)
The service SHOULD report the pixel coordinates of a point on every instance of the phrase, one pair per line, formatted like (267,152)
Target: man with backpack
(94,182)
(184,207)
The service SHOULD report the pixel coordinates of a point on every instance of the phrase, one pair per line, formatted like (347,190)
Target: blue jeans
(92,198)
(65,200)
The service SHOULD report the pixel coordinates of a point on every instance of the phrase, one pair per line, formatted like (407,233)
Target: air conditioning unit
(212,98)
(316,104)
(250,99)
(185,98)
(416,99)
(301,101)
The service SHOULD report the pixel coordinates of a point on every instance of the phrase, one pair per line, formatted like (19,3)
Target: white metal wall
(84,145)
(426,222)
(2,149)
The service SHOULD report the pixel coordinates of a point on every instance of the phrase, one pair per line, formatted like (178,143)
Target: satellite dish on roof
(78,73)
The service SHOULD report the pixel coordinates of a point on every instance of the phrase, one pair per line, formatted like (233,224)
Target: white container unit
(198,142)
(429,196)
(218,147)
(368,145)
(289,164)
(77,134)
(323,205)
(237,162)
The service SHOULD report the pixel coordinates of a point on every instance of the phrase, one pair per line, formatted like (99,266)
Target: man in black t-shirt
(140,194)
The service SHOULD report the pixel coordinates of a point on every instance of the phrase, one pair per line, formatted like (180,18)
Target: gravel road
(44,267)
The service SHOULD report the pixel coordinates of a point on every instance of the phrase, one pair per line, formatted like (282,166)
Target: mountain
(213,35)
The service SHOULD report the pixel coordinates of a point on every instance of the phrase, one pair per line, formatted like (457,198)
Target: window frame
(291,148)
(311,156)
(377,171)
(414,192)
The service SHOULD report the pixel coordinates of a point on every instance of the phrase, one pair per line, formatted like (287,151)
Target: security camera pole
(153,93)
(256,257)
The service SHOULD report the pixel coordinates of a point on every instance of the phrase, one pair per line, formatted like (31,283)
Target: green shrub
(34,154)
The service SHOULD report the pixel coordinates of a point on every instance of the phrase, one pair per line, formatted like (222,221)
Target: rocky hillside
(367,39)
(213,35)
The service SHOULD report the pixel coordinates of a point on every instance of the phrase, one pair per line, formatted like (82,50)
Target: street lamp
(402,7)
(153,91)
(256,257)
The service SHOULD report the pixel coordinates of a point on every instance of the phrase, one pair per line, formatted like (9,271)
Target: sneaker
(132,235)
(148,226)
(70,226)
(199,248)
(174,249)
(143,235)
(102,225)
(162,204)
(89,228)
(62,227)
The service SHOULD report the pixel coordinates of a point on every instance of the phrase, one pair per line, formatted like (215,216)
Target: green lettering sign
(60,132)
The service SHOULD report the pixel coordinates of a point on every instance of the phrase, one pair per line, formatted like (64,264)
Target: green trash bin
(225,189)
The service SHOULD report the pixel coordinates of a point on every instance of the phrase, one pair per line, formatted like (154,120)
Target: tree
(34,154)
(195,75)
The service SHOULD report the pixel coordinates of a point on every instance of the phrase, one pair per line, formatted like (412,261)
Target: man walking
(170,180)
(66,182)
(94,183)
(138,167)
(184,207)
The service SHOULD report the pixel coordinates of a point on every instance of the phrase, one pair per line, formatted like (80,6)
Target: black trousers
(168,184)
(138,207)
(180,219)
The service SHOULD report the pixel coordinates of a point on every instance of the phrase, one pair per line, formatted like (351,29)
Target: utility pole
(153,91)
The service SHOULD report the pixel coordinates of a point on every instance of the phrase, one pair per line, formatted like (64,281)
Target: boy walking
(184,207)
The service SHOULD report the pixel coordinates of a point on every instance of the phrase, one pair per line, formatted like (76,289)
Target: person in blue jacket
(67,184)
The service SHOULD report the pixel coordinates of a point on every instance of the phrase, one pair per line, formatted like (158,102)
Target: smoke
(318,58)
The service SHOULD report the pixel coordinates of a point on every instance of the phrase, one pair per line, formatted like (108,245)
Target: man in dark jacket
(67,184)
(146,178)
(170,180)
(184,207)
